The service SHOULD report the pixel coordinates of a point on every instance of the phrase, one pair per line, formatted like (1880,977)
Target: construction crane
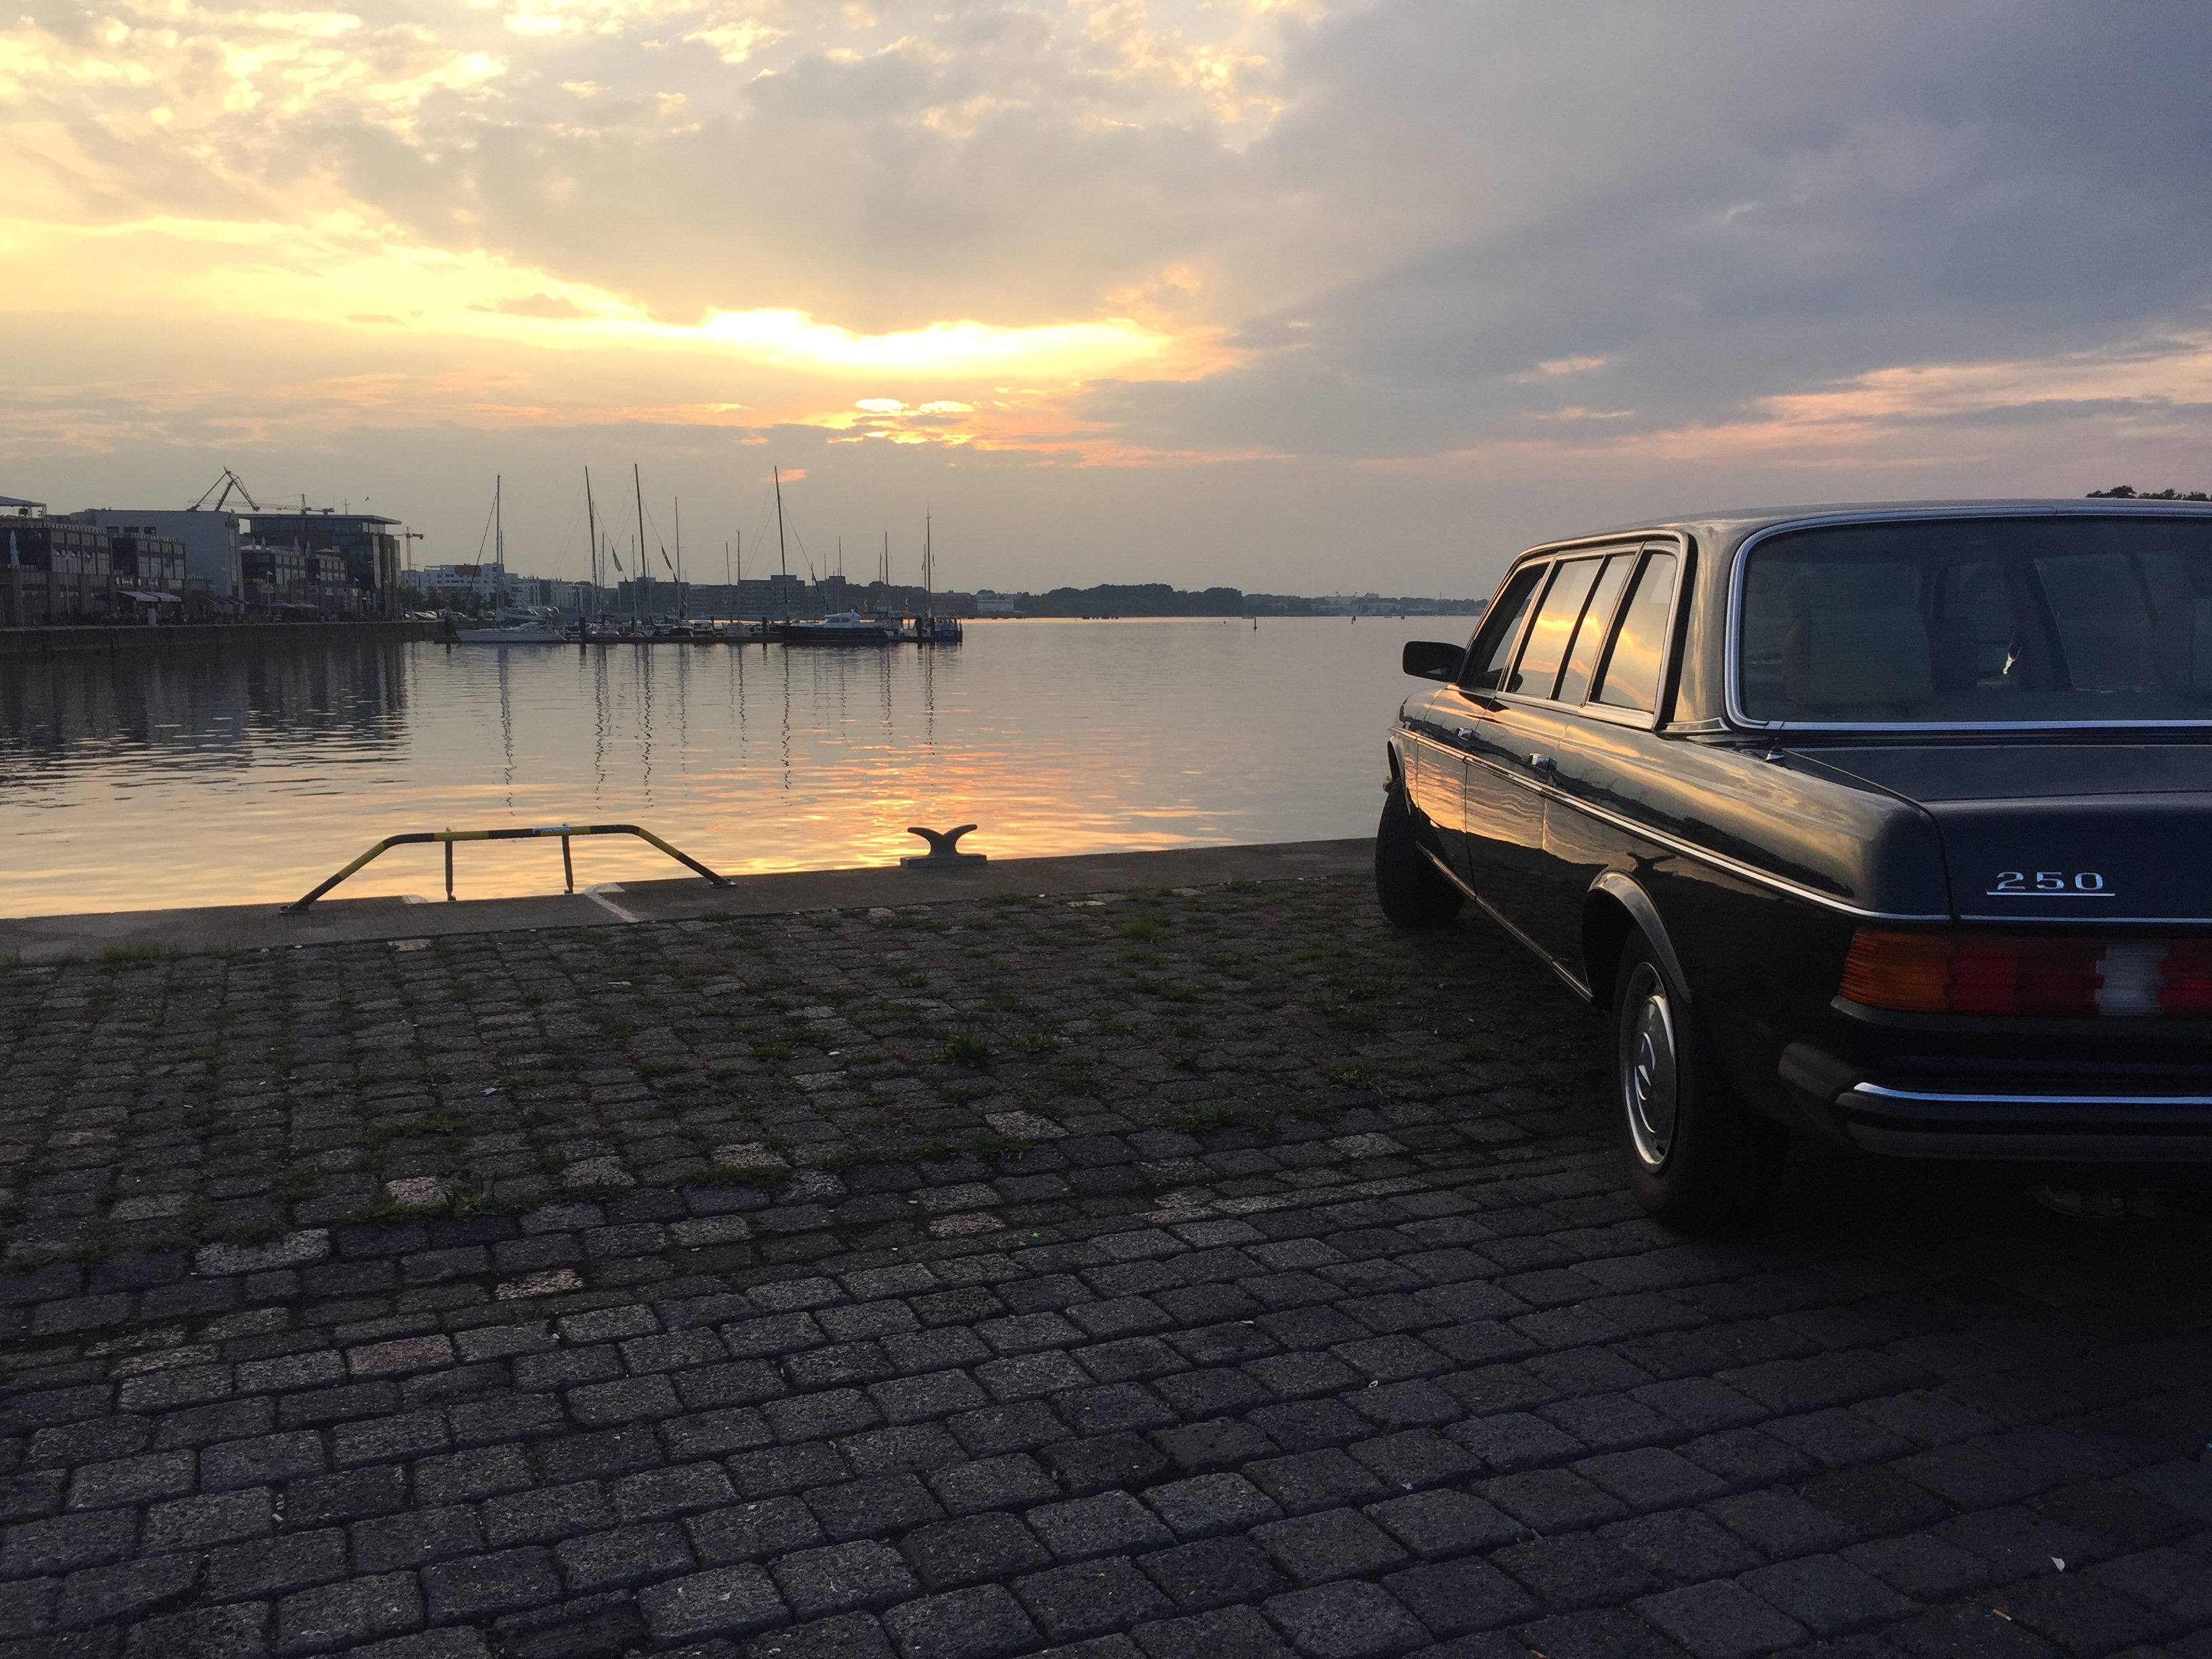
(228,482)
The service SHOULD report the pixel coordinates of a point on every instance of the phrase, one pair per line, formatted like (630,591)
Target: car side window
(1492,647)
(1633,667)
(1538,671)
(1597,619)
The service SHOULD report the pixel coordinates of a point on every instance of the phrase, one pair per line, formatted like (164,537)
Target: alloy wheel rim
(1648,1070)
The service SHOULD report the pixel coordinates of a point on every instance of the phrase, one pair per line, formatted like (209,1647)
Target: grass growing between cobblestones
(1208,1272)
(241,1095)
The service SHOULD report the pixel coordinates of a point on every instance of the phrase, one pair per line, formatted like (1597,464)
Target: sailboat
(931,629)
(529,632)
(841,627)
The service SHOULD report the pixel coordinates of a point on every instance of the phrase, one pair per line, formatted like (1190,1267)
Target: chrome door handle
(1542,763)
(1464,733)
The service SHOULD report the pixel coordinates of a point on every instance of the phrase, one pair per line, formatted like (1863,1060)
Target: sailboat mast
(680,556)
(498,528)
(783,559)
(643,567)
(592,522)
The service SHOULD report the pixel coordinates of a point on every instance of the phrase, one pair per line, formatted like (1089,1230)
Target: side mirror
(1432,659)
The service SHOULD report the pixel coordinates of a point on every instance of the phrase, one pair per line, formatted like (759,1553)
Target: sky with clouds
(1288,294)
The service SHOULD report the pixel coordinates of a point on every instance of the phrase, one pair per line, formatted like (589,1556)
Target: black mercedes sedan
(1888,824)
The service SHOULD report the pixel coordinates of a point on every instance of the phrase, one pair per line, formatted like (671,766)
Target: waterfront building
(65,569)
(274,577)
(151,564)
(102,562)
(494,586)
(64,547)
(211,540)
(773,596)
(641,596)
(333,590)
(443,582)
(364,545)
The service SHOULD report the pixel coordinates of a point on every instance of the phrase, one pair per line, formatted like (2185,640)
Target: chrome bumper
(2037,1129)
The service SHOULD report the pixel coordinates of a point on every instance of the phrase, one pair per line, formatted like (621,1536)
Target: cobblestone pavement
(1212,1273)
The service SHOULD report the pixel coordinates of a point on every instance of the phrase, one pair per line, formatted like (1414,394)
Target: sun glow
(959,350)
(490,342)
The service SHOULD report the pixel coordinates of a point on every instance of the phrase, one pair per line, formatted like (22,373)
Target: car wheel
(1698,1157)
(1412,890)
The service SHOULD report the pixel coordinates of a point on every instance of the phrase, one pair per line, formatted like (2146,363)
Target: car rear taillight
(2185,981)
(2066,977)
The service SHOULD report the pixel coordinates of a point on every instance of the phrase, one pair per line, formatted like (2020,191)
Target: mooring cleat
(944,849)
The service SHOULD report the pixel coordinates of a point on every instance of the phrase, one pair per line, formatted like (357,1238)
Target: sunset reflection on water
(200,777)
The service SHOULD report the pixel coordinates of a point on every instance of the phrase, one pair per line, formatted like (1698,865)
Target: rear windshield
(2017,621)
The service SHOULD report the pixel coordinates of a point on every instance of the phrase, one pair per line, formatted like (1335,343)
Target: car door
(1436,770)
(1600,739)
(1509,753)
(1442,725)
(1474,702)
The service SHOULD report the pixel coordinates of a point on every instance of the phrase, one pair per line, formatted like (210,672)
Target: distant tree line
(2129,493)
(1159,599)
(1134,599)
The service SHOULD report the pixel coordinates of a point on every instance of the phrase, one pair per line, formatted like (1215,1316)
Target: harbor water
(187,777)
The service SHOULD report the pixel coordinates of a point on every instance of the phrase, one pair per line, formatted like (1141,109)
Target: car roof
(1733,524)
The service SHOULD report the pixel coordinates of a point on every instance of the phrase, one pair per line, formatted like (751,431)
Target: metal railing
(565,831)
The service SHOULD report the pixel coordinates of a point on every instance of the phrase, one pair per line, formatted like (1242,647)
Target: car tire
(1413,892)
(1699,1159)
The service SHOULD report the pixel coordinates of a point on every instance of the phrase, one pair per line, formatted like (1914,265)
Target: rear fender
(1615,904)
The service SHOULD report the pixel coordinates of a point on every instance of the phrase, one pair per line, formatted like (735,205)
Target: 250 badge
(2050,883)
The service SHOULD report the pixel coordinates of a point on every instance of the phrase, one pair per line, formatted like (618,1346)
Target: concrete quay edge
(54,641)
(264,927)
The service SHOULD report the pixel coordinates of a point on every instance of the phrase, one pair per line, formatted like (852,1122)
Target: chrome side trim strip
(1518,937)
(1717,860)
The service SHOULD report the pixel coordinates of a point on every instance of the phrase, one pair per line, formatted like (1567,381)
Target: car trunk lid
(2101,833)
